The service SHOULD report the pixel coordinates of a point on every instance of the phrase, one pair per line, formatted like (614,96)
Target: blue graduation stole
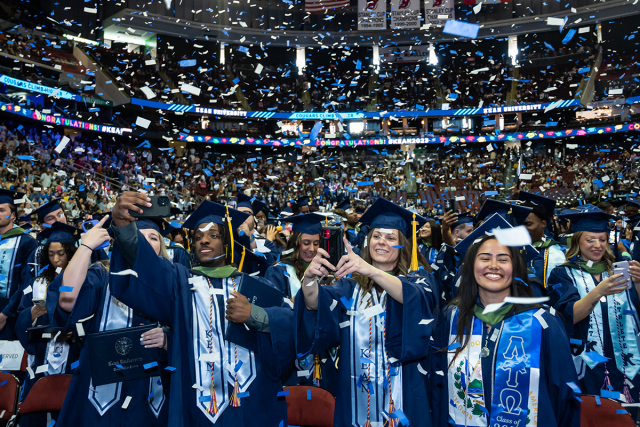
(517,371)
(517,374)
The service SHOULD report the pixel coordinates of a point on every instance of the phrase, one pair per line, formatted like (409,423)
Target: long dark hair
(49,273)
(402,265)
(436,234)
(468,290)
(294,258)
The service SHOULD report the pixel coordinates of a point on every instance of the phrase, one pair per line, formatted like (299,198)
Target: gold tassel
(235,400)
(392,422)
(414,246)
(213,406)
(230,233)
(368,423)
(317,373)
(241,260)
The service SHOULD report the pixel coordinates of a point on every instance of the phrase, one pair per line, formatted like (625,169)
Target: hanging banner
(437,12)
(372,14)
(405,13)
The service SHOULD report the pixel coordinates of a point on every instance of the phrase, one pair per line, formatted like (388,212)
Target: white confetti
(345,324)
(80,329)
(27,290)
(538,315)
(421,369)
(304,373)
(30,371)
(42,368)
(333,305)
(125,405)
(125,273)
(425,321)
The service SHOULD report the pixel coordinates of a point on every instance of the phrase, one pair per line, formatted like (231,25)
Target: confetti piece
(125,405)
(150,365)
(125,273)
(67,288)
(283,393)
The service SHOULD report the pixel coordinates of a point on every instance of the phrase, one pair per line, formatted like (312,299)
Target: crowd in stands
(92,172)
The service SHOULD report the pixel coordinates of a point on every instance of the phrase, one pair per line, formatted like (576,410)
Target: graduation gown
(103,407)
(404,339)
(557,405)
(304,374)
(163,291)
(543,264)
(58,355)
(16,252)
(179,255)
(587,339)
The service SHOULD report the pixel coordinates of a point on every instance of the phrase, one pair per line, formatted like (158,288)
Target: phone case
(332,242)
(160,207)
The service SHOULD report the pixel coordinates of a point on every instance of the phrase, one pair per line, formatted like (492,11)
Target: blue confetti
(150,365)
(283,393)
(66,288)
(453,346)
(75,364)
(308,394)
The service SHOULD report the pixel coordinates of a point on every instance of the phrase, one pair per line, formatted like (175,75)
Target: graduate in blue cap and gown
(164,228)
(455,228)
(17,249)
(550,253)
(266,250)
(50,213)
(603,308)
(216,382)
(287,276)
(475,351)
(80,301)
(59,351)
(352,218)
(374,312)
(302,205)
(430,240)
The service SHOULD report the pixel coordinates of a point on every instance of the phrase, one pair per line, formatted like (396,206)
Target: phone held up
(160,207)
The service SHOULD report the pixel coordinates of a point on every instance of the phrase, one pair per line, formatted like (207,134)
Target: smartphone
(233,202)
(331,241)
(614,236)
(160,207)
(40,302)
(88,225)
(449,205)
(622,267)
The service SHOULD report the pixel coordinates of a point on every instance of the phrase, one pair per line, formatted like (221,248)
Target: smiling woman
(375,312)
(603,306)
(477,351)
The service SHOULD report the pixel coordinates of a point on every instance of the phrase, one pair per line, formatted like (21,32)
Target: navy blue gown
(304,375)
(38,350)
(557,405)
(179,255)
(163,291)
(592,378)
(103,407)
(16,252)
(405,341)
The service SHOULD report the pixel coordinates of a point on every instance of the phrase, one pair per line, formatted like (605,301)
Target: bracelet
(82,244)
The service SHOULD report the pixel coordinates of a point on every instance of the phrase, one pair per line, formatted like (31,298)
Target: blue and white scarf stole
(622,325)
(116,315)
(373,374)
(214,357)
(516,375)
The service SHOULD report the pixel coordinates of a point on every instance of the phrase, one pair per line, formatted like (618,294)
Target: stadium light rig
(81,40)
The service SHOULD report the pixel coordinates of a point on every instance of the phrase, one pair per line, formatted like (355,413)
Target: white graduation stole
(116,315)
(8,251)
(628,326)
(373,372)
(214,357)
(294,282)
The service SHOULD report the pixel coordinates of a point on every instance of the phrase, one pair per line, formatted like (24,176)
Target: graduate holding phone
(603,306)
(374,312)
(215,381)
